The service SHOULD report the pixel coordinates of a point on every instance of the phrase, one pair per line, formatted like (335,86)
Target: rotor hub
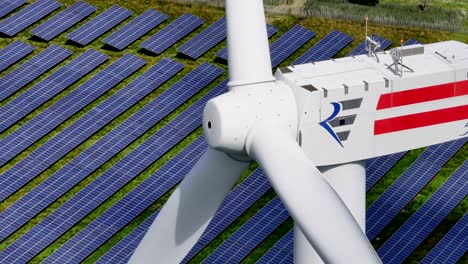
(228,118)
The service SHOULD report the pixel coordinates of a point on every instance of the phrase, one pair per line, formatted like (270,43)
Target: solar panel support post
(349,181)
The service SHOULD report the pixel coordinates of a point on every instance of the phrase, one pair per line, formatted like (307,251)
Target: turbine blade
(189,210)
(313,204)
(247,39)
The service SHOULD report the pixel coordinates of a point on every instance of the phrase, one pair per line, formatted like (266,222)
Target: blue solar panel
(123,250)
(99,25)
(405,240)
(63,109)
(8,6)
(223,53)
(27,16)
(281,252)
(55,83)
(452,247)
(135,29)
(127,132)
(87,125)
(403,190)
(172,33)
(250,234)
(326,48)
(412,41)
(288,43)
(361,48)
(63,21)
(117,176)
(30,70)
(131,205)
(376,168)
(13,53)
(204,41)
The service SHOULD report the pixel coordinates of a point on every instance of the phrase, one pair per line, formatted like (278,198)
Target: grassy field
(321,26)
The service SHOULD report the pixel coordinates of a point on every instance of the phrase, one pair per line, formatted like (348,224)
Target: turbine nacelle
(229,118)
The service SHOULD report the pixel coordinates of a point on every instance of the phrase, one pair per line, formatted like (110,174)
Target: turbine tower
(310,128)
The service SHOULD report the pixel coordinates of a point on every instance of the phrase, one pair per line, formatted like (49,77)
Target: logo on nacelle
(326,125)
(466,132)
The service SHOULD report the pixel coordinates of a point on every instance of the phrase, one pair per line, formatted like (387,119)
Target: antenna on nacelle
(371,45)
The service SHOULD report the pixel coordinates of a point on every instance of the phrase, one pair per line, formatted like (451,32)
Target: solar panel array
(223,53)
(281,252)
(361,49)
(13,53)
(412,41)
(55,83)
(405,240)
(99,25)
(114,178)
(104,149)
(63,20)
(65,108)
(250,234)
(326,48)
(204,41)
(288,43)
(405,188)
(27,16)
(8,6)
(172,33)
(23,208)
(452,247)
(135,29)
(376,168)
(30,70)
(87,125)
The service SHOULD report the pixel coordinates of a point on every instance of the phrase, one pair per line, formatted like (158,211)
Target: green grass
(321,26)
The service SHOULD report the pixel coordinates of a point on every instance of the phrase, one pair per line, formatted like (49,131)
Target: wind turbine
(334,115)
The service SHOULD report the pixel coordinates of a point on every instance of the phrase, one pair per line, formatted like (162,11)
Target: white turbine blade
(247,39)
(313,204)
(189,210)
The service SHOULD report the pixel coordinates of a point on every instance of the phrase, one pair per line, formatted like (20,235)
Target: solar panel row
(87,199)
(63,21)
(376,168)
(405,240)
(99,25)
(411,41)
(172,33)
(104,149)
(135,29)
(326,48)
(27,16)
(204,41)
(281,252)
(125,210)
(55,83)
(31,70)
(223,53)
(91,122)
(13,53)
(288,43)
(235,204)
(8,6)
(250,234)
(402,191)
(361,48)
(122,251)
(452,246)
(65,108)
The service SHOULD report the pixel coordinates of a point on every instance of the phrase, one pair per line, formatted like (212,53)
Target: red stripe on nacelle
(423,94)
(420,120)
